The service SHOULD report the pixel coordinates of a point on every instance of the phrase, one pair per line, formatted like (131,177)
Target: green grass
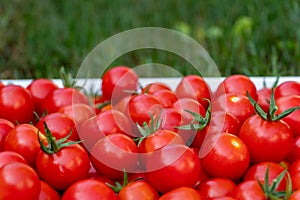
(253,37)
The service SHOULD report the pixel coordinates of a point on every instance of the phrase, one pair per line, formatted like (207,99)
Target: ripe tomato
(237,84)
(294,171)
(287,88)
(116,81)
(155,87)
(263,99)
(293,119)
(62,97)
(138,190)
(295,195)
(247,190)
(170,119)
(167,97)
(173,166)
(9,157)
(19,181)
(226,121)
(1,85)
(23,140)
(48,193)
(266,140)
(216,187)
(39,89)
(113,154)
(5,127)
(16,104)
(194,87)
(294,152)
(89,189)
(182,193)
(215,160)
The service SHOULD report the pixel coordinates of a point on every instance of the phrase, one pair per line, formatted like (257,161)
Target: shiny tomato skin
(266,140)
(16,104)
(294,170)
(170,119)
(217,163)
(216,187)
(248,190)
(10,156)
(194,87)
(5,127)
(263,99)
(294,152)
(47,192)
(167,97)
(23,140)
(39,89)
(19,181)
(138,190)
(155,87)
(173,166)
(113,154)
(89,189)
(181,193)
(287,88)
(62,97)
(116,80)
(63,168)
(237,84)
(226,121)
(293,119)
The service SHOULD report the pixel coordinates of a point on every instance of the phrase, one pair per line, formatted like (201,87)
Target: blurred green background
(253,37)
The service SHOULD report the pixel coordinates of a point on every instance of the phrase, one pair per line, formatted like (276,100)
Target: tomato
(62,97)
(216,187)
(105,123)
(116,81)
(151,88)
(48,193)
(294,151)
(167,97)
(258,171)
(295,195)
(141,106)
(19,181)
(294,171)
(266,140)
(23,140)
(263,99)
(1,85)
(287,88)
(170,119)
(10,156)
(226,121)
(293,119)
(138,190)
(16,104)
(236,104)
(5,127)
(39,89)
(215,160)
(173,166)
(194,87)
(182,193)
(113,154)
(248,190)
(89,189)
(237,84)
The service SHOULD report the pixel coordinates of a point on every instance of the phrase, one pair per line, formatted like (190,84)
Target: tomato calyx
(53,145)
(271,114)
(118,186)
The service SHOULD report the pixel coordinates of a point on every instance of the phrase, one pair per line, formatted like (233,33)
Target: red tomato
(138,190)
(237,84)
(194,87)
(5,127)
(258,171)
(105,123)
(294,171)
(113,154)
(62,97)
(266,140)
(294,152)
(23,140)
(116,81)
(1,85)
(63,168)
(215,160)
(182,193)
(287,88)
(295,195)
(170,119)
(155,87)
(263,99)
(236,104)
(60,125)
(216,187)
(173,166)
(39,89)
(226,121)
(19,181)
(167,97)
(293,119)
(9,157)
(89,189)
(48,193)
(248,190)
(141,106)
(16,104)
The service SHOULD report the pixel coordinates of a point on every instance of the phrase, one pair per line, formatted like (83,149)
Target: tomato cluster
(150,142)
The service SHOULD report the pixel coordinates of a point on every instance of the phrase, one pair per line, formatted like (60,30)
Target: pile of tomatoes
(149,142)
